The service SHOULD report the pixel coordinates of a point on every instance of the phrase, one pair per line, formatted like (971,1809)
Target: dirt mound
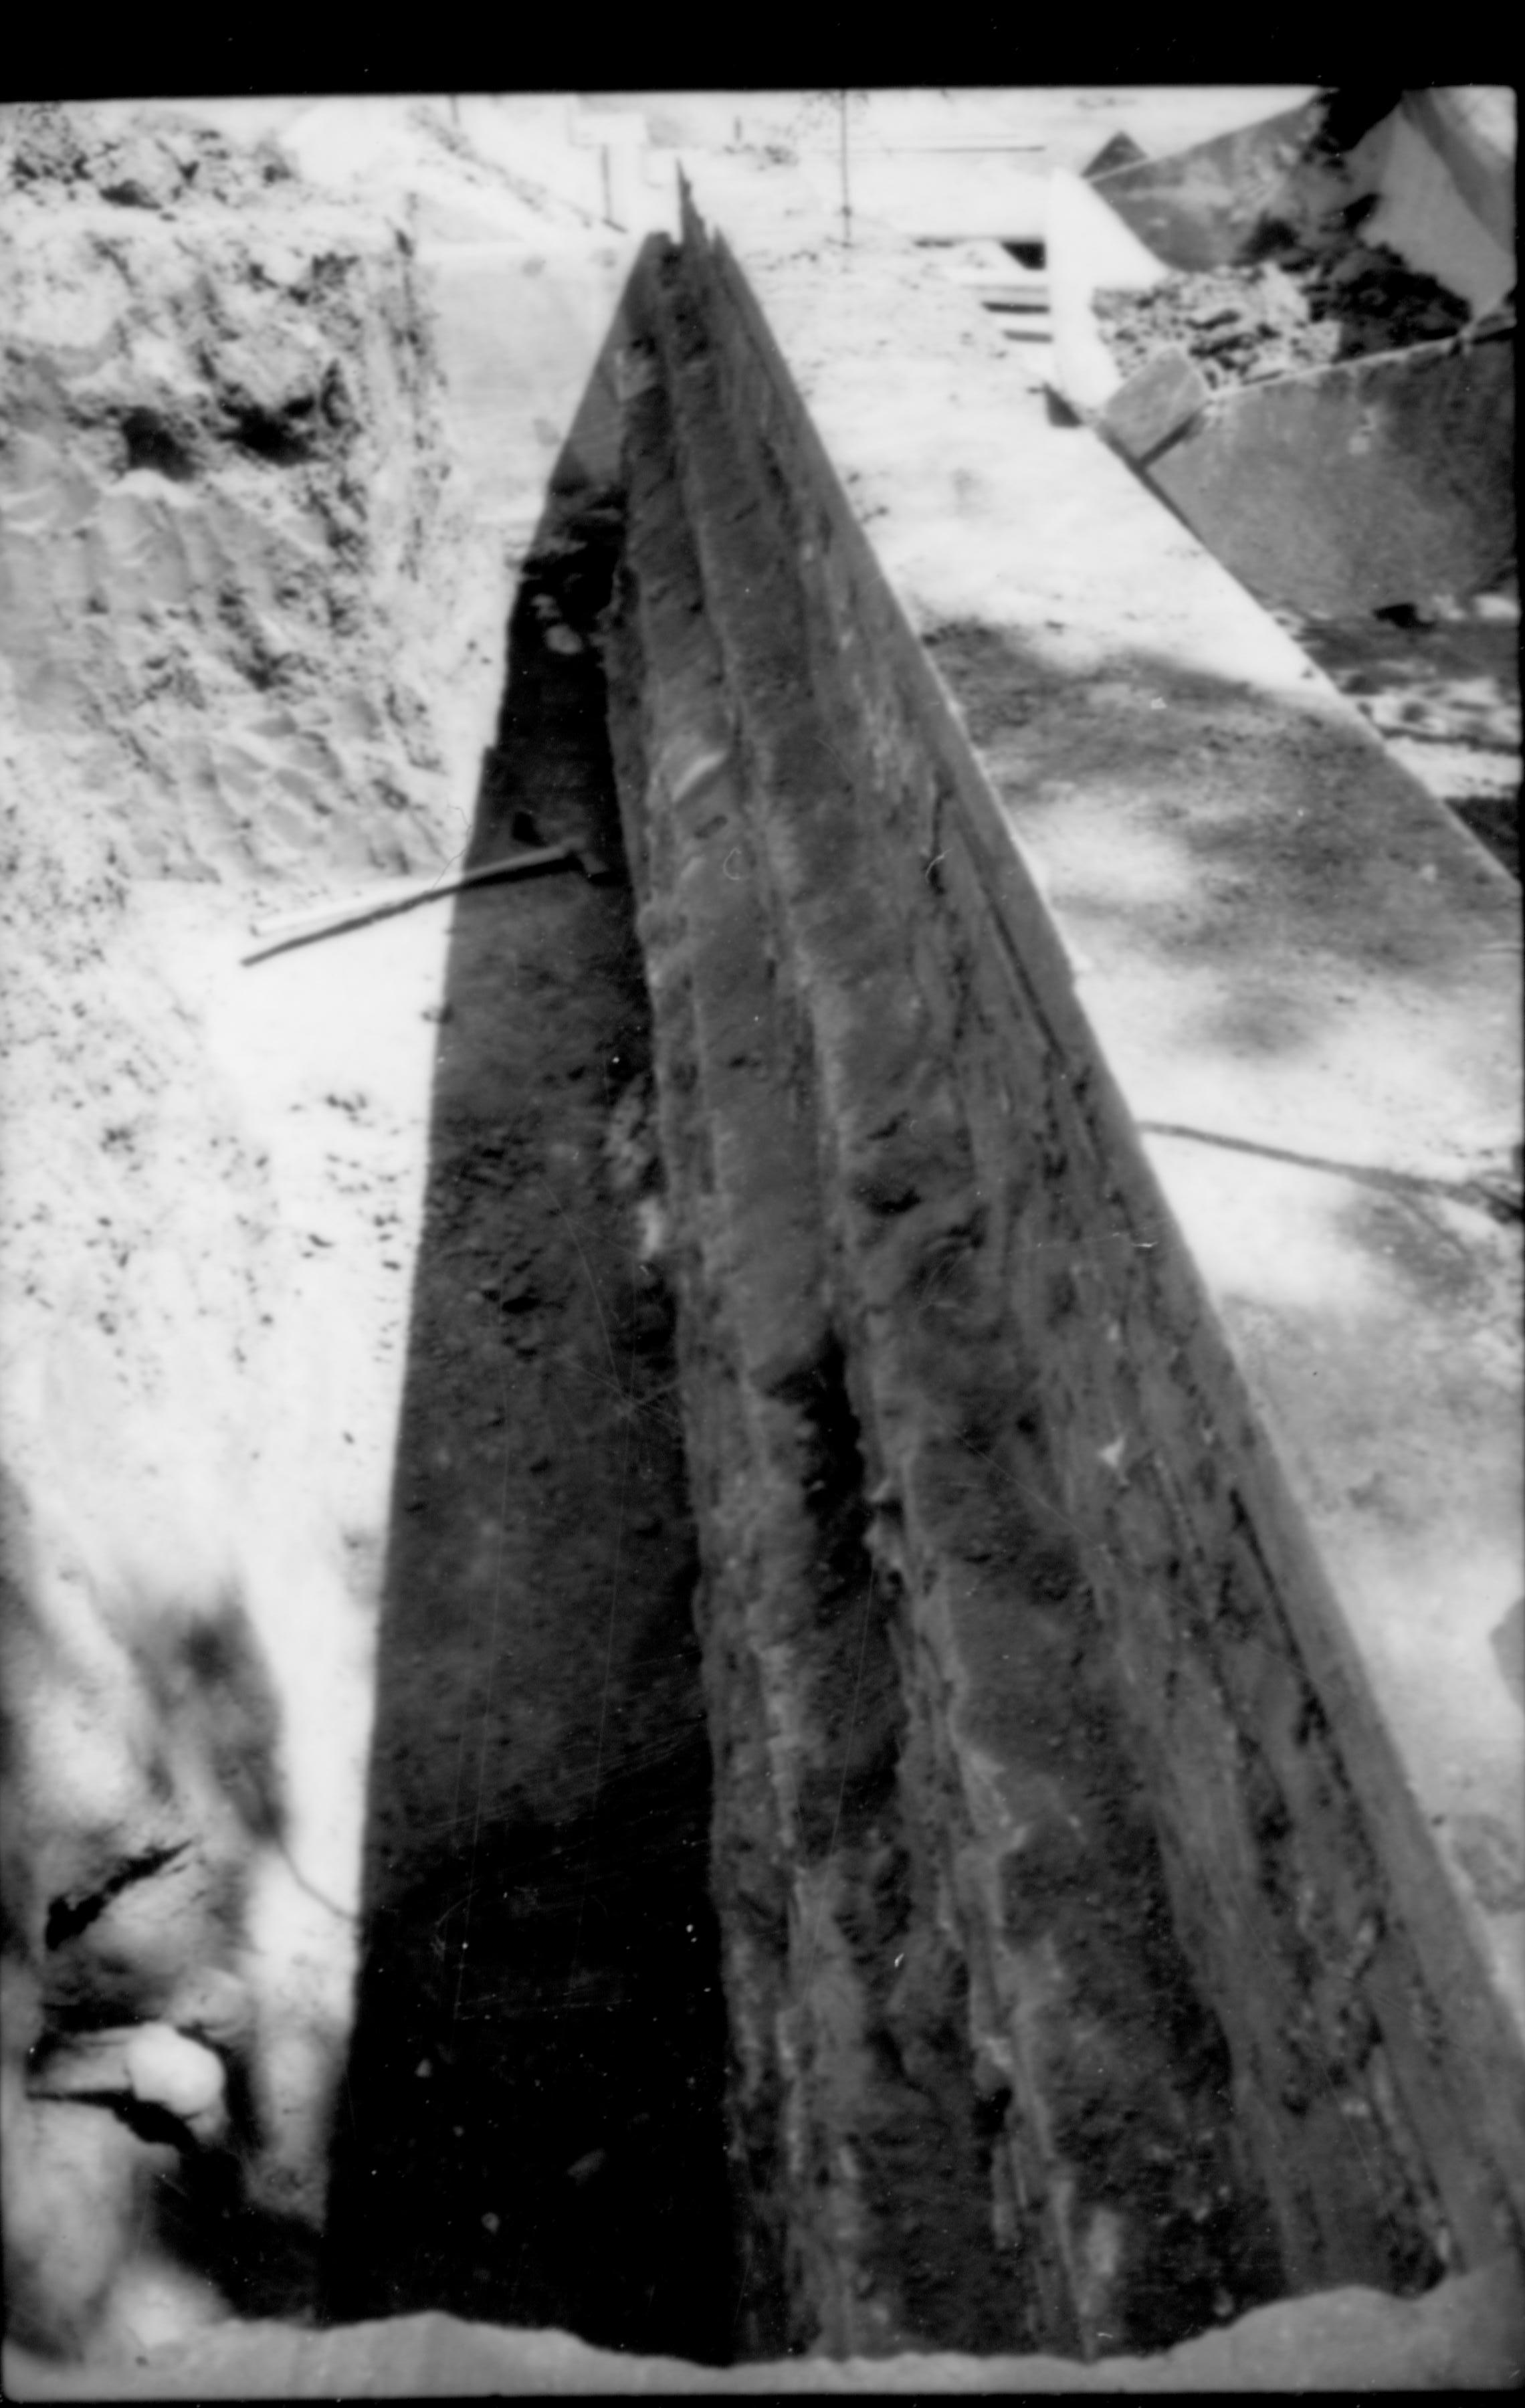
(289,1354)
(219,461)
(56,153)
(231,549)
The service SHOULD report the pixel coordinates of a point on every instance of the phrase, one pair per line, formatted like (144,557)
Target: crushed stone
(1297,307)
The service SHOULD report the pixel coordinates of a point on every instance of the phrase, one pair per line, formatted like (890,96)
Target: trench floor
(532,2127)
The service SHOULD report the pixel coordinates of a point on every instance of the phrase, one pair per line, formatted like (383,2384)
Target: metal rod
(312,926)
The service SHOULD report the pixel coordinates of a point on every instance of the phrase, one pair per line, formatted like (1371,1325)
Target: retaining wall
(1088,1070)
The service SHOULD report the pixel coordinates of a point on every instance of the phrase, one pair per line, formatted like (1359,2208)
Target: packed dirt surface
(1293,309)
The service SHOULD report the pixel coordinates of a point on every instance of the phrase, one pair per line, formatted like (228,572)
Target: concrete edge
(1461,1957)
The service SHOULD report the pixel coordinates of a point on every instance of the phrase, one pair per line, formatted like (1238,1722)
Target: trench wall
(1078,1888)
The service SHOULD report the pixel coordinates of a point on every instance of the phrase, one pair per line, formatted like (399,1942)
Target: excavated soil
(220,470)
(330,1363)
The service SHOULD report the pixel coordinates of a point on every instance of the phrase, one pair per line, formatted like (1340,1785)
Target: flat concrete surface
(1467,2335)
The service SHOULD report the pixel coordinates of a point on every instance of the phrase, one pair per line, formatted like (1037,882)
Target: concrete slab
(1196,207)
(1436,173)
(1355,488)
(1089,249)
(1448,191)
(1161,400)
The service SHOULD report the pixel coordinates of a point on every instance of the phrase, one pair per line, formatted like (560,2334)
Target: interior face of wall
(857,1495)
(1045,1848)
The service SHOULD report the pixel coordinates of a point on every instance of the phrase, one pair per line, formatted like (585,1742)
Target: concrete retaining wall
(1106,1263)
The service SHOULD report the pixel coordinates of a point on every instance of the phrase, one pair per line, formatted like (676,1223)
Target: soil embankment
(224,489)
(253,560)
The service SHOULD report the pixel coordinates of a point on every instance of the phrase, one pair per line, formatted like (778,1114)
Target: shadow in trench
(531,2129)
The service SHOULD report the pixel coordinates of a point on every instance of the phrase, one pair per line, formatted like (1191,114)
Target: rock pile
(1299,307)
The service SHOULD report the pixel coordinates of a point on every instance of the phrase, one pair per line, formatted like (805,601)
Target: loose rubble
(1296,308)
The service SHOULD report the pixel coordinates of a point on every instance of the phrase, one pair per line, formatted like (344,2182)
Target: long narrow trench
(531,2129)
(844,2055)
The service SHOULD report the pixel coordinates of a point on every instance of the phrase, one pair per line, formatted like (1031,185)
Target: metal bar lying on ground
(329,920)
